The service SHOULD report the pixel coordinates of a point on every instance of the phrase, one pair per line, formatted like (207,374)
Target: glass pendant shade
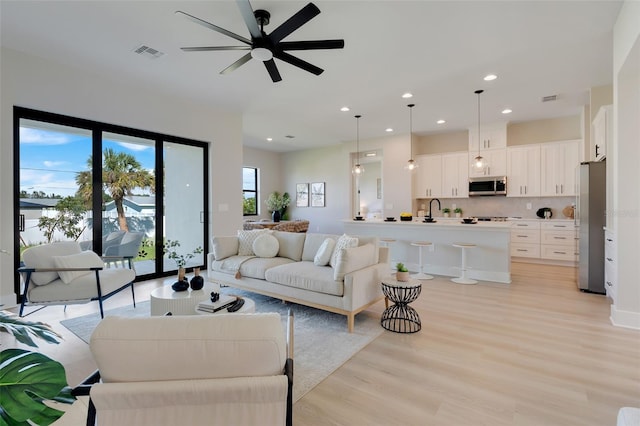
(357,168)
(479,163)
(411,165)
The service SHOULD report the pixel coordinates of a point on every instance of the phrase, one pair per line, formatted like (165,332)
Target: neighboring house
(135,205)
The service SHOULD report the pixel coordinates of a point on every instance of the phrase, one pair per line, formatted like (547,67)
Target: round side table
(164,299)
(400,317)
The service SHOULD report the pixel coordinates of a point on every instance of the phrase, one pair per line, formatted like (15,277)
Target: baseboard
(625,319)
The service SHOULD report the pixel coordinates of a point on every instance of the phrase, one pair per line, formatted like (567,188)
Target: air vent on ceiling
(149,52)
(549,98)
(289,136)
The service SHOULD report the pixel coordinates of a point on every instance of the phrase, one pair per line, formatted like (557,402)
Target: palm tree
(121,174)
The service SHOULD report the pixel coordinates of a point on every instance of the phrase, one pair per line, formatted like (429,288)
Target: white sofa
(348,287)
(191,370)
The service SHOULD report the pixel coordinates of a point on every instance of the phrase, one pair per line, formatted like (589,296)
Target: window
(249,191)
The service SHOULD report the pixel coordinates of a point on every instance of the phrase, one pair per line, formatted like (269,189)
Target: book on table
(224,302)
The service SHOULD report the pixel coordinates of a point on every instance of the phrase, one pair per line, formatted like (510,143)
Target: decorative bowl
(429,219)
(358,218)
(406,218)
(467,220)
(390,218)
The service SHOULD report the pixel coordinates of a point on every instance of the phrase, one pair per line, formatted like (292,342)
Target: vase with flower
(170,249)
(277,204)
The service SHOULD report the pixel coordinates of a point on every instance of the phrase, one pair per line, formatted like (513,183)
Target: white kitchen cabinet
(455,175)
(525,239)
(558,167)
(492,136)
(601,133)
(610,268)
(558,241)
(523,171)
(496,162)
(427,180)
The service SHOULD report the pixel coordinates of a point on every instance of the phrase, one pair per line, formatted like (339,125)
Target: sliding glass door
(115,190)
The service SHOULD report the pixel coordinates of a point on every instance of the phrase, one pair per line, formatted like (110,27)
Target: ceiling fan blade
(236,64)
(249,18)
(271,67)
(300,18)
(298,63)
(214,27)
(210,48)
(311,45)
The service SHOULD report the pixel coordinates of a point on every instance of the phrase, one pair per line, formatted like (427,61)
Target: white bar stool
(386,242)
(463,279)
(421,275)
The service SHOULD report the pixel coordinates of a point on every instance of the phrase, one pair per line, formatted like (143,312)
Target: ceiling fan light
(261,54)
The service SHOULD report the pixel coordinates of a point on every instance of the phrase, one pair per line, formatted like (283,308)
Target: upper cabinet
(427,178)
(492,136)
(602,133)
(558,166)
(496,163)
(455,175)
(523,171)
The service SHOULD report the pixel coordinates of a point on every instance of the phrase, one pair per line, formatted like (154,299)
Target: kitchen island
(489,261)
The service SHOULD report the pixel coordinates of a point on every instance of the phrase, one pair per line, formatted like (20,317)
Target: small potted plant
(446,211)
(458,211)
(277,204)
(402,273)
(171,250)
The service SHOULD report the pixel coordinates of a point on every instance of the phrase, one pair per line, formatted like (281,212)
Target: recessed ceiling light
(407,95)
(388,129)
(490,77)
(506,111)
(269,139)
(441,121)
(344,109)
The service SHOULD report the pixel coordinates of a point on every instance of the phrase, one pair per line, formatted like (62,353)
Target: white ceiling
(438,50)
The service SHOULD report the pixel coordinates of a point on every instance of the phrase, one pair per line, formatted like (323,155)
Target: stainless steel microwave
(488,186)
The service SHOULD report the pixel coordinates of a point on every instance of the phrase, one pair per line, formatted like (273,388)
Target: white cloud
(51,164)
(133,146)
(41,137)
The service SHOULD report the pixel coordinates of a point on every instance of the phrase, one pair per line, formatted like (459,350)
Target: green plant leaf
(27,379)
(23,330)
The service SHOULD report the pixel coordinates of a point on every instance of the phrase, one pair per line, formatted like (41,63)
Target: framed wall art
(302,195)
(317,194)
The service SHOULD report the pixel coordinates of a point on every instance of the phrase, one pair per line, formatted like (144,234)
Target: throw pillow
(223,247)
(323,256)
(345,241)
(246,239)
(266,245)
(85,259)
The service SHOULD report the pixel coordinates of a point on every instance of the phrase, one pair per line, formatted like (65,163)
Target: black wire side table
(400,317)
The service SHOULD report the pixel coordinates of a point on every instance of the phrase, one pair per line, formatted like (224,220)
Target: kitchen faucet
(439,207)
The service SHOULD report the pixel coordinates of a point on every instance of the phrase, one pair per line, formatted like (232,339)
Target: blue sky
(50,160)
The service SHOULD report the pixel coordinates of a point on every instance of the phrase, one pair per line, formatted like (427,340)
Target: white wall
(624,169)
(39,84)
(269,176)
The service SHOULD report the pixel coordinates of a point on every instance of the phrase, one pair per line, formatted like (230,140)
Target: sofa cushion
(42,257)
(291,244)
(307,276)
(246,239)
(223,247)
(257,266)
(312,243)
(352,259)
(345,241)
(266,245)
(362,240)
(84,259)
(323,256)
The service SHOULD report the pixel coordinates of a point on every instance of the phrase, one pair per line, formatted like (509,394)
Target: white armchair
(227,369)
(62,274)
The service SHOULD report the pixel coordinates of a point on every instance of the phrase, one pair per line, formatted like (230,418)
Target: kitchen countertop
(439,223)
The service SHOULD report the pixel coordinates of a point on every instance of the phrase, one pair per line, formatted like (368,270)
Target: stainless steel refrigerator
(590,218)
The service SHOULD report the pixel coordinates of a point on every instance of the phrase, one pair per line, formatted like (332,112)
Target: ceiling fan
(265,47)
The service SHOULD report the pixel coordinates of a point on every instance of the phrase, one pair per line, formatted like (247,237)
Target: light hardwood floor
(535,352)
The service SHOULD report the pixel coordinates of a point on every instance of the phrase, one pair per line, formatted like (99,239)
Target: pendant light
(411,165)
(479,163)
(357,169)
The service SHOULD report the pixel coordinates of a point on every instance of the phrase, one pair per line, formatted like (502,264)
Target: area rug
(321,340)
